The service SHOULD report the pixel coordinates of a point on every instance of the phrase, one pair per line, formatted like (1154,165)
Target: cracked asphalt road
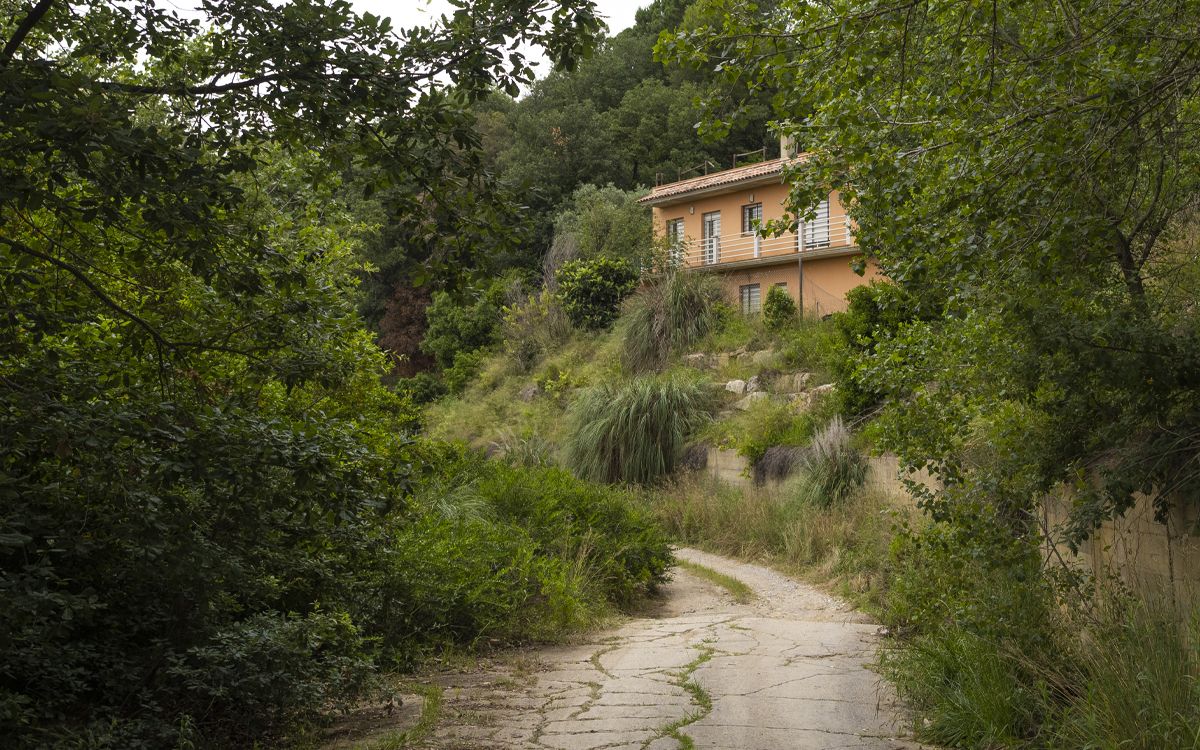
(788,670)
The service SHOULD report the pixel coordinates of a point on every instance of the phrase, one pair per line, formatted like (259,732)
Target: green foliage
(422,388)
(605,222)
(635,431)
(458,325)
(1135,681)
(767,423)
(534,328)
(200,469)
(591,291)
(875,313)
(779,309)
(668,316)
(466,366)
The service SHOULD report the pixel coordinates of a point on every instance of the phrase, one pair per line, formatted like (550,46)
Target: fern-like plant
(634,432)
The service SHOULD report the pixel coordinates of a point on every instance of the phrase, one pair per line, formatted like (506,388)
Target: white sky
(618,14)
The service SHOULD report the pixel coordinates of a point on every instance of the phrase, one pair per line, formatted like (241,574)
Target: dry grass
(845,546)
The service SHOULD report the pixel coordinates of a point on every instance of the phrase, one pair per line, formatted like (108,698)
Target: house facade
(711,222)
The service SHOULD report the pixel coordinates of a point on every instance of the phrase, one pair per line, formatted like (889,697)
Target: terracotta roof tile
(716,179)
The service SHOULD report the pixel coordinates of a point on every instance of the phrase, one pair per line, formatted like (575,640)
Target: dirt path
(787,670)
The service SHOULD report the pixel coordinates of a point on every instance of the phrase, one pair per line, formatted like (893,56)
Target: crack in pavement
(788,670)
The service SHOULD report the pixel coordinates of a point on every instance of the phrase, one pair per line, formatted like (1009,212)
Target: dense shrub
(602,222)
(779,309)
(591,290)
(422,388)
(875,312)
(634,431)
(765,424)
(510,553)
(466,366)
(669,315)
(463,322)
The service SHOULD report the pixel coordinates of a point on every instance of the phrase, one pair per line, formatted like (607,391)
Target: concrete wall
(1142,553)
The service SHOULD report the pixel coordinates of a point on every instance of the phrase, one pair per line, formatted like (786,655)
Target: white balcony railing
(813,236)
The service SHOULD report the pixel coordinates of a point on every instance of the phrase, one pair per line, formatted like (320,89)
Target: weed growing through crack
(699,696)
(741,593)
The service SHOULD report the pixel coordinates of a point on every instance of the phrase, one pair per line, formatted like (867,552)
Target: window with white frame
(751,298)
(710,236)
(751,218)
(816,230)
(675,238)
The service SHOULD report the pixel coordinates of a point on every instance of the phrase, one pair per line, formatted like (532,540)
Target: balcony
(817,238)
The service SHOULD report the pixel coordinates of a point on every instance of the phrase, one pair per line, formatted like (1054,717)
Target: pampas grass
(634,432)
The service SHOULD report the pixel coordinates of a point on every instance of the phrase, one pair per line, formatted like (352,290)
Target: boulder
(750,399)
(754,384)
(790,382)
(700,361)
(736,386)
(529,392)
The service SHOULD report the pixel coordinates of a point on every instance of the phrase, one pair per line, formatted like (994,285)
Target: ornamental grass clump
(668,316)
(833,467)
(634,432)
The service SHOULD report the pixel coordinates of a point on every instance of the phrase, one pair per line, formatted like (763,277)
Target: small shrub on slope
(591,291)
(779,309)
(668,316)
(634,432)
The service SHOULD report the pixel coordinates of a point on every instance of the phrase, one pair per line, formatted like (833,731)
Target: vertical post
(757,244)
(800,265)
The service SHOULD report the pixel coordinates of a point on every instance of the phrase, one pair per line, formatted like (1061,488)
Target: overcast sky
(618,14)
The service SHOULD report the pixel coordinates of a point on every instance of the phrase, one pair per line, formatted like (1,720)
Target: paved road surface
(786,671)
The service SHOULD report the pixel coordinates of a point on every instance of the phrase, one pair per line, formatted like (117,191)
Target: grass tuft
(669,315)
(741,593)
(634,432)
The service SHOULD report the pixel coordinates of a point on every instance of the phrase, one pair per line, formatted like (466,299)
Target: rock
(822,389)
(811,397)
(750,399)
(763,358)
(736,386)
(790,383)
(722,360)
(700,361)
(529,392)
(753,384)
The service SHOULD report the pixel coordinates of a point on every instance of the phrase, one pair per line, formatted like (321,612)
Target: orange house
(711,221)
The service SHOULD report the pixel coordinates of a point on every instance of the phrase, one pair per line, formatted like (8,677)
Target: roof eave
(725,187)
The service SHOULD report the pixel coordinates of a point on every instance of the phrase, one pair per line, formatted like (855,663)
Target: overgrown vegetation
(668,316)
(844,545)
(1035,332)
(634,432)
